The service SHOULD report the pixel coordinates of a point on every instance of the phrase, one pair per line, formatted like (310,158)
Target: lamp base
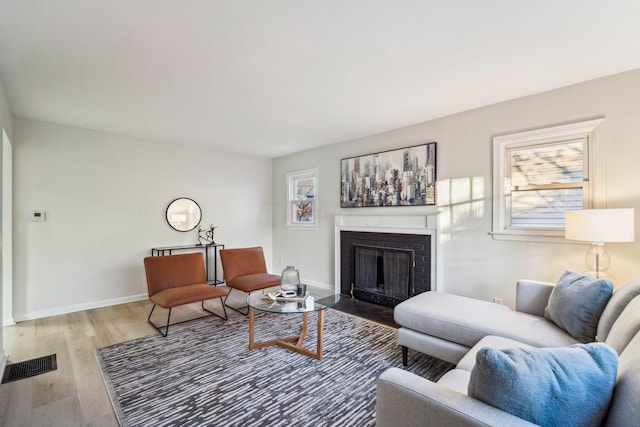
(600,275)
(598,262)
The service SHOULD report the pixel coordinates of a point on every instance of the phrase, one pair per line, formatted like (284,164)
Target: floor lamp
(599,226)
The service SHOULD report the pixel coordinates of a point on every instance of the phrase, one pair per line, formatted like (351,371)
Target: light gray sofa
(455,328)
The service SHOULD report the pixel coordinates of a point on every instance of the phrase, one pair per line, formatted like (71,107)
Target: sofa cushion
(456,379)
(466,321)
(622,296)
(576,303)
(567,386)
(532,296)
(626,326)
(625,404)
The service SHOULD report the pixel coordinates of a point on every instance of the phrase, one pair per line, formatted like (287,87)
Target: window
(540,174)
(302,203)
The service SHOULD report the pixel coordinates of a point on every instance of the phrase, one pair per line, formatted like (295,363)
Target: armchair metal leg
(405,355)
(166,327)
(225,317)
(238,309)
(159,328)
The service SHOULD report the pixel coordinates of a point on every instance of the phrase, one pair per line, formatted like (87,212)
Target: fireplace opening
(384,268)
(382,275)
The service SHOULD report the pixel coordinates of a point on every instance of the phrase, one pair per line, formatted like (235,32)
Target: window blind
(546,180)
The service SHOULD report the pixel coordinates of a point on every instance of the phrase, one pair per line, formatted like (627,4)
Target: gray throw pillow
(564,386)
(576,303)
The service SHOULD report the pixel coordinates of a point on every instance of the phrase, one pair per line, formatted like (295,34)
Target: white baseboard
(79,307)
(318,284)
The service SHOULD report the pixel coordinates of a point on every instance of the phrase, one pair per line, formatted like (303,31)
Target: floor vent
(29,368)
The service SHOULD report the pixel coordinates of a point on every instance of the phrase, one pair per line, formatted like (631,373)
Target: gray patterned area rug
(203,374)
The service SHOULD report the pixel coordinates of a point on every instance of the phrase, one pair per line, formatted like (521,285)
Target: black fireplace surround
(384,268)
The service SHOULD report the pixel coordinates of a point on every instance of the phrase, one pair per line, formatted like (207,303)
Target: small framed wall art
(402,177)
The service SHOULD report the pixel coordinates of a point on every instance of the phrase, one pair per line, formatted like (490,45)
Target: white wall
(105,197)
(473,263)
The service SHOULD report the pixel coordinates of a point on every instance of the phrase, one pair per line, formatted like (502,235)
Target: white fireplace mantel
(425,224)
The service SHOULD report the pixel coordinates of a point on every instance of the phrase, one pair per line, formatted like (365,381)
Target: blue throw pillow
(564,386)
(576,303)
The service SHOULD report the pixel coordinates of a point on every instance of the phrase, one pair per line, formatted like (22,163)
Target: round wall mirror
(183,214)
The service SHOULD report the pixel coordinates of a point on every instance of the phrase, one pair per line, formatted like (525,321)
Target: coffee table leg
(251,328)
(303,331)
(294,343)
(320,330)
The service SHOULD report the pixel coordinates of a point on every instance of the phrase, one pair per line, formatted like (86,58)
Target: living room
(104,186)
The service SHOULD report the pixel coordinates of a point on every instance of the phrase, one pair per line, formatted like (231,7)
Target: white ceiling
(271,77)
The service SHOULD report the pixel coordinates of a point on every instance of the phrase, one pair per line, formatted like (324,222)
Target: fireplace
(413,233)
(382,275)
(384,268)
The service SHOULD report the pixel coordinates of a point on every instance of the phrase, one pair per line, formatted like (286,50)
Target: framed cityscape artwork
(403,177)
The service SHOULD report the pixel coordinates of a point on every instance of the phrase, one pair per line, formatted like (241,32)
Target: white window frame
(291,198)
(594,195)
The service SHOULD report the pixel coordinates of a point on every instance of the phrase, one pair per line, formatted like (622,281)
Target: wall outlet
(497,300)
(37,216)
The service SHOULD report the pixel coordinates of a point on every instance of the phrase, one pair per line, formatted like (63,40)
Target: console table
(167,250)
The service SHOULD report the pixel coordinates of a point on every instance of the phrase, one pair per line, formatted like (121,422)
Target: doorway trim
(7,231)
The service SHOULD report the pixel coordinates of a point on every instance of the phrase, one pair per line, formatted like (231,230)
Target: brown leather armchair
(175,280)
(245,270)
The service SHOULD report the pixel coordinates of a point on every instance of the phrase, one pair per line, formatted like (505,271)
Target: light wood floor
(74,394)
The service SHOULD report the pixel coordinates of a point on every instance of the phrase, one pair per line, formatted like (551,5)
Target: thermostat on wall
(38,216)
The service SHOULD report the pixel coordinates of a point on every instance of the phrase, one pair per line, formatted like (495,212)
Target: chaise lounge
(474,334)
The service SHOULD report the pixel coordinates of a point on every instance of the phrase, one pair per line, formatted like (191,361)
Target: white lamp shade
(600,225)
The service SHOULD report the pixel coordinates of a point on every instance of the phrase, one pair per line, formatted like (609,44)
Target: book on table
(297,298)
(285,296)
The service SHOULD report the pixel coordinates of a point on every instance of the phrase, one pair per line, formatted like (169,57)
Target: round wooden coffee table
(317,299)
